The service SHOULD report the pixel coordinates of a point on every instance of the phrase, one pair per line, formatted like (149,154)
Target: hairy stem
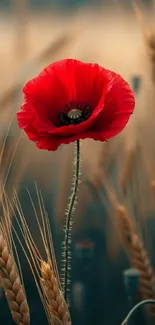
(68,223)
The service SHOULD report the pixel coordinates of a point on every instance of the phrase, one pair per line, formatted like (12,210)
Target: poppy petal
(119,104)
(48,94)
(52,143)
(84,82)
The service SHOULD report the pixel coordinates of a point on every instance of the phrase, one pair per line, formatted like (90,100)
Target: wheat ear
(138,256)
(13,288)
(127,170)
(1,282)
(57,306)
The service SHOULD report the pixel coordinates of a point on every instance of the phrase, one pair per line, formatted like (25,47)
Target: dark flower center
(74,113)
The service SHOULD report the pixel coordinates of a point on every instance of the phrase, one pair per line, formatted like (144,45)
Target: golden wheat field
(108,252)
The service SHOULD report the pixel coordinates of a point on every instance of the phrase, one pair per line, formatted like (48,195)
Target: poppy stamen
(74,114)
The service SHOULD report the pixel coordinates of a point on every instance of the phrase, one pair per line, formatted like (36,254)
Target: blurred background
(119,35)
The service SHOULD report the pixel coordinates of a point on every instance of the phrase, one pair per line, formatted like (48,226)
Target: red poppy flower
(72,100)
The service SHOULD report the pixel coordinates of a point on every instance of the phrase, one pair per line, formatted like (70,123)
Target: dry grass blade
(149,37)
(13,288)
(58,309)
(141,20)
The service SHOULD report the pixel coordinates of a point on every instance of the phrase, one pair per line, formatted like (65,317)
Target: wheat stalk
(1,282)
(134,245)
(46,275)
(138,256)
(153,187)
(13,288)
(57,306)
(127,170)
(149,36)
(126,227)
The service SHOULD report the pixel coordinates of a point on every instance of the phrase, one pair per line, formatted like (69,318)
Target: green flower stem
(69,215)
(144,302)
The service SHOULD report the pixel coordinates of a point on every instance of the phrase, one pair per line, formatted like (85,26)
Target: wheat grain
(13,288)
(57,306)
